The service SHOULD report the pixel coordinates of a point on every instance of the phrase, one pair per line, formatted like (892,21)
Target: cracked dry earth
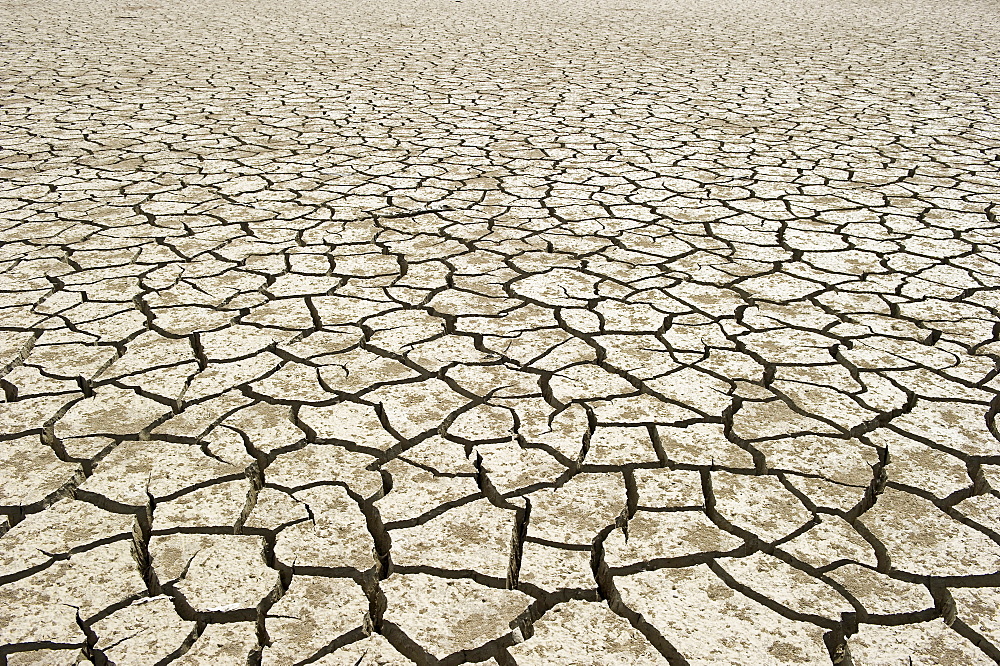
(515,333)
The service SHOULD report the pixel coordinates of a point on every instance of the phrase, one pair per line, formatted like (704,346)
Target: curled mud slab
(501,332)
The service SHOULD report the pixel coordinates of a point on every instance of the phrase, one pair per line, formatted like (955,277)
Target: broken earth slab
(576,511)
(581,632)
(111,411)
(930,642)
(663,488)
(681,535)
(702,444)
(980,609)
(790,588)
(552,568)
(31,474)
(46,607)
(935,545)
(710,623)
(215,573)
(880,593)
(222,645)
(348,421)
(336,536)
(137,470)
(512,468)
(325,463)
(274,509)
(372,650)
(144,633)
(476,536)
(66,526)
(445,616)
(416,491)
(65,657)
(758,504)
(313,614)
(832,540)
(218,505)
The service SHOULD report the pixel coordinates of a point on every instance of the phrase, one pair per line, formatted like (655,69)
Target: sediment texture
(438,332)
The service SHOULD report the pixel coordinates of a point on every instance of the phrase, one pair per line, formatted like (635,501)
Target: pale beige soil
(584,332)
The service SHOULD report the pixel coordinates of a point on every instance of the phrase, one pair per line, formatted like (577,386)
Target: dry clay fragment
(672,534)
(222,645)
(110,411)
(373,650)
(758,504)
(448,615)
(575,512)
(217,505)
(878,593)
(350,421)
(580,632)
(67,657)
(832,540)
(934,545)
(44,607)
(475,536)
(313,613)
(510,467)
(325,463)
(553,568)
(31,472)
(215,573)
(66,525)
(709,623)
(143,633)
(158,468)
(337,535)
(791,588)
(924,643)
(980,608)
(416,491)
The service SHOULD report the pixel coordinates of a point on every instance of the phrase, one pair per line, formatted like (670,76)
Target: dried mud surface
(515,333)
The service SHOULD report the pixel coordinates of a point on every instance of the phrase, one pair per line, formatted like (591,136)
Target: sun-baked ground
(527,333)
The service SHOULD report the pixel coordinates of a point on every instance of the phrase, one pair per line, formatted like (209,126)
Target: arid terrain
(507,332)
